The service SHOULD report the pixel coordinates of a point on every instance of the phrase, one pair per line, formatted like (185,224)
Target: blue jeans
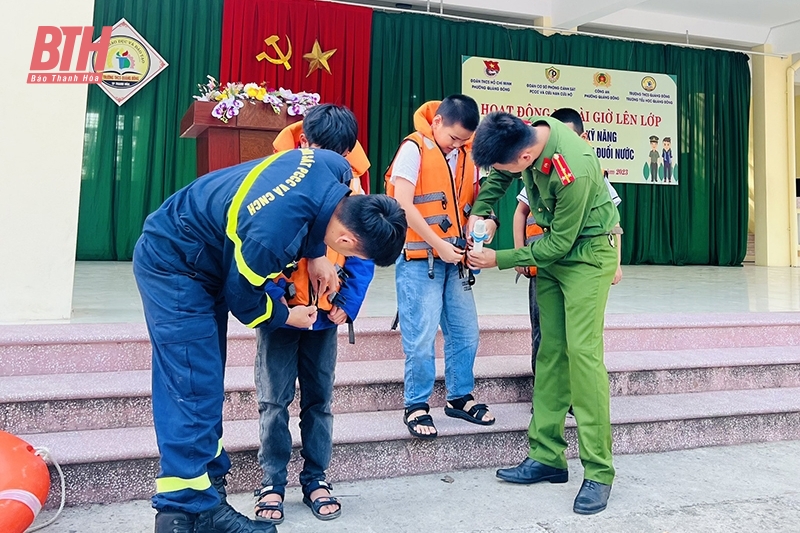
(425,304)
(283,356)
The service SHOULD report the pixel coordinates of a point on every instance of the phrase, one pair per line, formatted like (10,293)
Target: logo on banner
(283,58)
(130,63)
(649,83)
(552,74)
(54,49)
(492,68)
(602,79)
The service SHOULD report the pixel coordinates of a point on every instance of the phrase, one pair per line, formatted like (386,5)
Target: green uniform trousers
(572,295)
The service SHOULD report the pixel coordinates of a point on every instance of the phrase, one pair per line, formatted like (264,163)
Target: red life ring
(24,484)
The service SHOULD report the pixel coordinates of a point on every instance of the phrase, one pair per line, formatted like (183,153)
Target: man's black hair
(379,225)
(500,139)
(331,127)
(567,115)
(459,109)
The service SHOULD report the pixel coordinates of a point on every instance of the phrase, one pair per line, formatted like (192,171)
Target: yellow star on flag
(318,59)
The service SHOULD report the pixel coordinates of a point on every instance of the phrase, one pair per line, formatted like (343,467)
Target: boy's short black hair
(379,224)
(331,127)
(567,115)
(500,139)
(459,109)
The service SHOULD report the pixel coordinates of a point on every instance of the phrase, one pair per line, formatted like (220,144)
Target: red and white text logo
(55,61)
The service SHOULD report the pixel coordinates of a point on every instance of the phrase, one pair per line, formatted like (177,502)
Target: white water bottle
(478,235)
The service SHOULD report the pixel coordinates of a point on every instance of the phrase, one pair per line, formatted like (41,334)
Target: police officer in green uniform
(577,261)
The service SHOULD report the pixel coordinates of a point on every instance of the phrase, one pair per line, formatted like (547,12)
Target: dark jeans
(283,356)
(536,333)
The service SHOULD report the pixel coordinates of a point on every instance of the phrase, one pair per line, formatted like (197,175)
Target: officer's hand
(323,277)
(525,271)
(617,276)
(491,229)
(337,315)
(449,253)
(302,316)
(484,259)
(471,226)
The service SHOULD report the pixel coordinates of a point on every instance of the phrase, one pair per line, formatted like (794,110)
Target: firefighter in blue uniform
(210,249)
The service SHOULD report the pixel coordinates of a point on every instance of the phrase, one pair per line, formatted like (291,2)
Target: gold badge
(649,83)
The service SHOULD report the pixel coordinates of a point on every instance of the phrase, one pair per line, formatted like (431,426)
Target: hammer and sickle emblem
(282,59)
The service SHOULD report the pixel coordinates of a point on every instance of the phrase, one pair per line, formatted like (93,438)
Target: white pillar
(774,245)
(41,145)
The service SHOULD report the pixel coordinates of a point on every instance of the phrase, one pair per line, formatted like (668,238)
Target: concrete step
(74,348)
(377,444)
(67,402)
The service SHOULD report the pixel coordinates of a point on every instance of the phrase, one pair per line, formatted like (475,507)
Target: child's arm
(404,194)
(520,222)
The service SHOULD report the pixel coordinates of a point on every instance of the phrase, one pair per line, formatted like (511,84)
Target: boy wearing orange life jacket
(288,354)
(434,180)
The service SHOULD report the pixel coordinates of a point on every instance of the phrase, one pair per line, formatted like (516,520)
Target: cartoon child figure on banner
(666,157)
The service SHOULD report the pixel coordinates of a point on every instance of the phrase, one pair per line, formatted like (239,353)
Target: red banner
(347,29)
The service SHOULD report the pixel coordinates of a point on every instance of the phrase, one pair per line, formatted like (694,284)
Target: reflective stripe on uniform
(219,449)
(233,223)
(267,314)
(174,484)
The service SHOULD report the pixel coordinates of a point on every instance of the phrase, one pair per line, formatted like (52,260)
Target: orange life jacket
(533,232)
(289,139)
(444,199)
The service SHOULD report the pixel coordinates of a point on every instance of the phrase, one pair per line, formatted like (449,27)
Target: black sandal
(322,501)
(475,414)
(421,420)
(269,506)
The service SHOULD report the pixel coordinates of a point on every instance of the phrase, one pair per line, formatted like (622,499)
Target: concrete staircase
(676,382)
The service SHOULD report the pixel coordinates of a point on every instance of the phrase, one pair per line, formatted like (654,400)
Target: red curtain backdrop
(246,23)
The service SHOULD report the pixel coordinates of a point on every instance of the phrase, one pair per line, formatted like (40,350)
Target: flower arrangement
(232,97)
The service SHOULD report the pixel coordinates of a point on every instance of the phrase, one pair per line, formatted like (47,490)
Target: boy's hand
(617,276)
(449,253)
(471,226)
(337,315)
(523,271)
(484,259)
(322,275)
(302,316)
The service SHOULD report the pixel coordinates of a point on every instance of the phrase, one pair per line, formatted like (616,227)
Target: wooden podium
(247,136)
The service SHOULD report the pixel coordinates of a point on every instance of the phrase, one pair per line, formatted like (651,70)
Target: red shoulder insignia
(563,170)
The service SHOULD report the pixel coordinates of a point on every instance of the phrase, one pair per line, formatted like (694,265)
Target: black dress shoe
(530,471)
(592,498)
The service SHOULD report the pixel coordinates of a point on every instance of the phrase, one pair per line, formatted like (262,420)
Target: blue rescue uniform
(209,249)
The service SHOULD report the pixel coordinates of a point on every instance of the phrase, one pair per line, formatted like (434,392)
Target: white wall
(41,143)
